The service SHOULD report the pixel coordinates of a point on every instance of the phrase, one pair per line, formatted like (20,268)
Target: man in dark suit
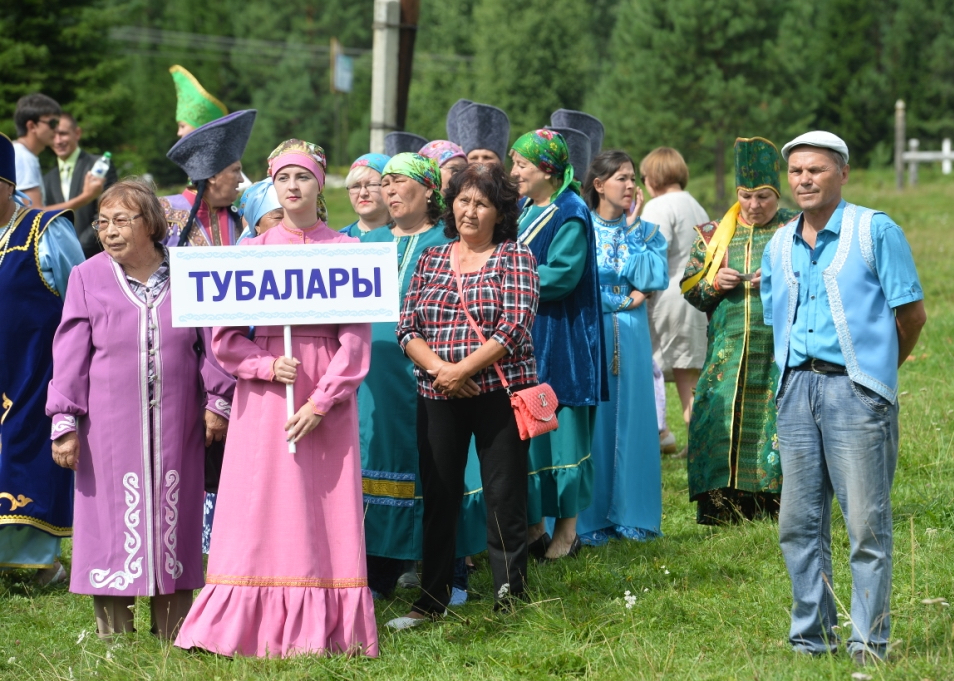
(66,180)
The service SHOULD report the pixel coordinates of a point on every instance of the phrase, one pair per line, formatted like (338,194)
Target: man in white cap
(841,292)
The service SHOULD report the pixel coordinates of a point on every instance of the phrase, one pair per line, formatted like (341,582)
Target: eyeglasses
(370,186)
(52,122)
(121,222)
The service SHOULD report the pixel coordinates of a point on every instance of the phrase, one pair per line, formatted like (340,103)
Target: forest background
(693,74)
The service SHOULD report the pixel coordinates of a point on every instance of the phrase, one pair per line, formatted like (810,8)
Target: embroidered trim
(311,582)
(66,423)
(6,403)
(387,475)
(18,501)
(555,468)
(388,501)
(38,524)
(830,276)
(172,566)
(537,225)
(387,488)
(864,240)
(132,569)
(223,406)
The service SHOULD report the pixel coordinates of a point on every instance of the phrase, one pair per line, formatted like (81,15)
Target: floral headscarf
(547,150)
(373,161)
(307,155)
(420,169)
(442,151)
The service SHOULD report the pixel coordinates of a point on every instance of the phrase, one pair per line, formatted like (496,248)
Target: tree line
(693,74)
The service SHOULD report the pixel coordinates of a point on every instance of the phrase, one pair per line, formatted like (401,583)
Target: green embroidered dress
(733,459)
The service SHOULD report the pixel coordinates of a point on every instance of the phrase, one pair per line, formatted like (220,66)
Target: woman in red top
(459,391)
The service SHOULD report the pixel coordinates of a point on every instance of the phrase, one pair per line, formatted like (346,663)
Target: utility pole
(899,133)
(384,74)
(410,14)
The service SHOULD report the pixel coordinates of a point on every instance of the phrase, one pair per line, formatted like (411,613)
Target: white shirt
(28,170)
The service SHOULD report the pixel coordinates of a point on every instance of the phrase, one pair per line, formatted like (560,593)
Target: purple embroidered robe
(139,479)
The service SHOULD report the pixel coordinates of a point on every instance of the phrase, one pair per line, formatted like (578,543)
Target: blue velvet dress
(627,487)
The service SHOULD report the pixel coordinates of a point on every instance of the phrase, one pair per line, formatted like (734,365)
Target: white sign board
(284,285)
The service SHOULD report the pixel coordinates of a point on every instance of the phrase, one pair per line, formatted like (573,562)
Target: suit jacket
(83,216)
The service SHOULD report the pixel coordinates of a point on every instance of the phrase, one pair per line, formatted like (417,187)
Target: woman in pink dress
(287,572)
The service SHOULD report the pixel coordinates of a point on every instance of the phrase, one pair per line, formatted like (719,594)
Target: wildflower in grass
(504,590)
(82,636)
(630,599)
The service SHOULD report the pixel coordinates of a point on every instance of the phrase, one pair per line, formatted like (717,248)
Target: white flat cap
(818,138)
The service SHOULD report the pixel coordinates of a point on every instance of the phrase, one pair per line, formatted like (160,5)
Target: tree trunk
(720,174)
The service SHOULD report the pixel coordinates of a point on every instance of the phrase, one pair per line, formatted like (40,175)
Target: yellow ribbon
(716,248)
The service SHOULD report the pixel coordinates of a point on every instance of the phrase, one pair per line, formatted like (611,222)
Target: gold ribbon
(716,248)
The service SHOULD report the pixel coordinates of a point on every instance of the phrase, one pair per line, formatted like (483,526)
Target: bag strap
(455,265)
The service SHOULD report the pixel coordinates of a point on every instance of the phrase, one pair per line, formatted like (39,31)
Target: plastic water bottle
(101,167)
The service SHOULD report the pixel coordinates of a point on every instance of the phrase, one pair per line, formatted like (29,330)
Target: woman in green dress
(734,467)
(567,337)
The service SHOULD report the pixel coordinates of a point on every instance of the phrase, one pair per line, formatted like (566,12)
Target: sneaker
(409,580)
(399,623)
(458,597)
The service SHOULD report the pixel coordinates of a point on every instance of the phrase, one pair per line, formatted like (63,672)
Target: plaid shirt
(502,298)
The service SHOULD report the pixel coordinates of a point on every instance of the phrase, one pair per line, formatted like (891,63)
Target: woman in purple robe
(133,402)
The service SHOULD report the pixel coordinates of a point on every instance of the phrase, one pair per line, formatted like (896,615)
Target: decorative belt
(819,366)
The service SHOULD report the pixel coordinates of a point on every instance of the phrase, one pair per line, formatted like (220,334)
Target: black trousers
(444,429)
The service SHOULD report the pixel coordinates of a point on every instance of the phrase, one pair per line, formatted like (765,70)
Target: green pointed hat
(195,106)
(756,164)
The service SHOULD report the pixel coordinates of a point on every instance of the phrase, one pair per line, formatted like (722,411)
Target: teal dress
(387,413)
(560,476)
(627,499)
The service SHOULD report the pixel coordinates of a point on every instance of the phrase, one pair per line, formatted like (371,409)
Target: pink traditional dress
(135,390)
(287,572)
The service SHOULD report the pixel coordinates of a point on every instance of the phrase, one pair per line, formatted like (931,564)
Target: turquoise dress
(387,413)
(560,475)
(627,487)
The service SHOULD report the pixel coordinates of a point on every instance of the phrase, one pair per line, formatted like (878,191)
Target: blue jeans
(836,438)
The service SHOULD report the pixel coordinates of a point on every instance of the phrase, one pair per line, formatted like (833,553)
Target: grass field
(710,603)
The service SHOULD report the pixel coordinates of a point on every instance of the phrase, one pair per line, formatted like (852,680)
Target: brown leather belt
(819,366)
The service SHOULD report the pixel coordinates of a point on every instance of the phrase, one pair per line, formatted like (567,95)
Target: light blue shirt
(59,252)
(813,333)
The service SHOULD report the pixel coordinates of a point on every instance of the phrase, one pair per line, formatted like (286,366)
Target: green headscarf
(420,169)
(547,150)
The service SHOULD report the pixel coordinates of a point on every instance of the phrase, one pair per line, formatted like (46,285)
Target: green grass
(721,611)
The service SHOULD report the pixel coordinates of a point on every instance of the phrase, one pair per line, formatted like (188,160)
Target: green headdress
(757,163)
(194,105)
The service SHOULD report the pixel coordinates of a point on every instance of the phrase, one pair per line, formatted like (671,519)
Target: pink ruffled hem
(281,621)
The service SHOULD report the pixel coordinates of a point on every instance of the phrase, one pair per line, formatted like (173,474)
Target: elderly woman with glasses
(364,190)
(134,402)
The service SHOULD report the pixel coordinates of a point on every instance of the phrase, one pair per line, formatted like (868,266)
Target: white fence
(914,156)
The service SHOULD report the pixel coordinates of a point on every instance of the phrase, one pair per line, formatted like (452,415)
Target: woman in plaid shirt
(459,392)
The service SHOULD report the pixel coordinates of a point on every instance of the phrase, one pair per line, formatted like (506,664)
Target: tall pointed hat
(402,142)
(757,164)
(194,105)
(481,126)
(579,145)
(591,126)
(453,131)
